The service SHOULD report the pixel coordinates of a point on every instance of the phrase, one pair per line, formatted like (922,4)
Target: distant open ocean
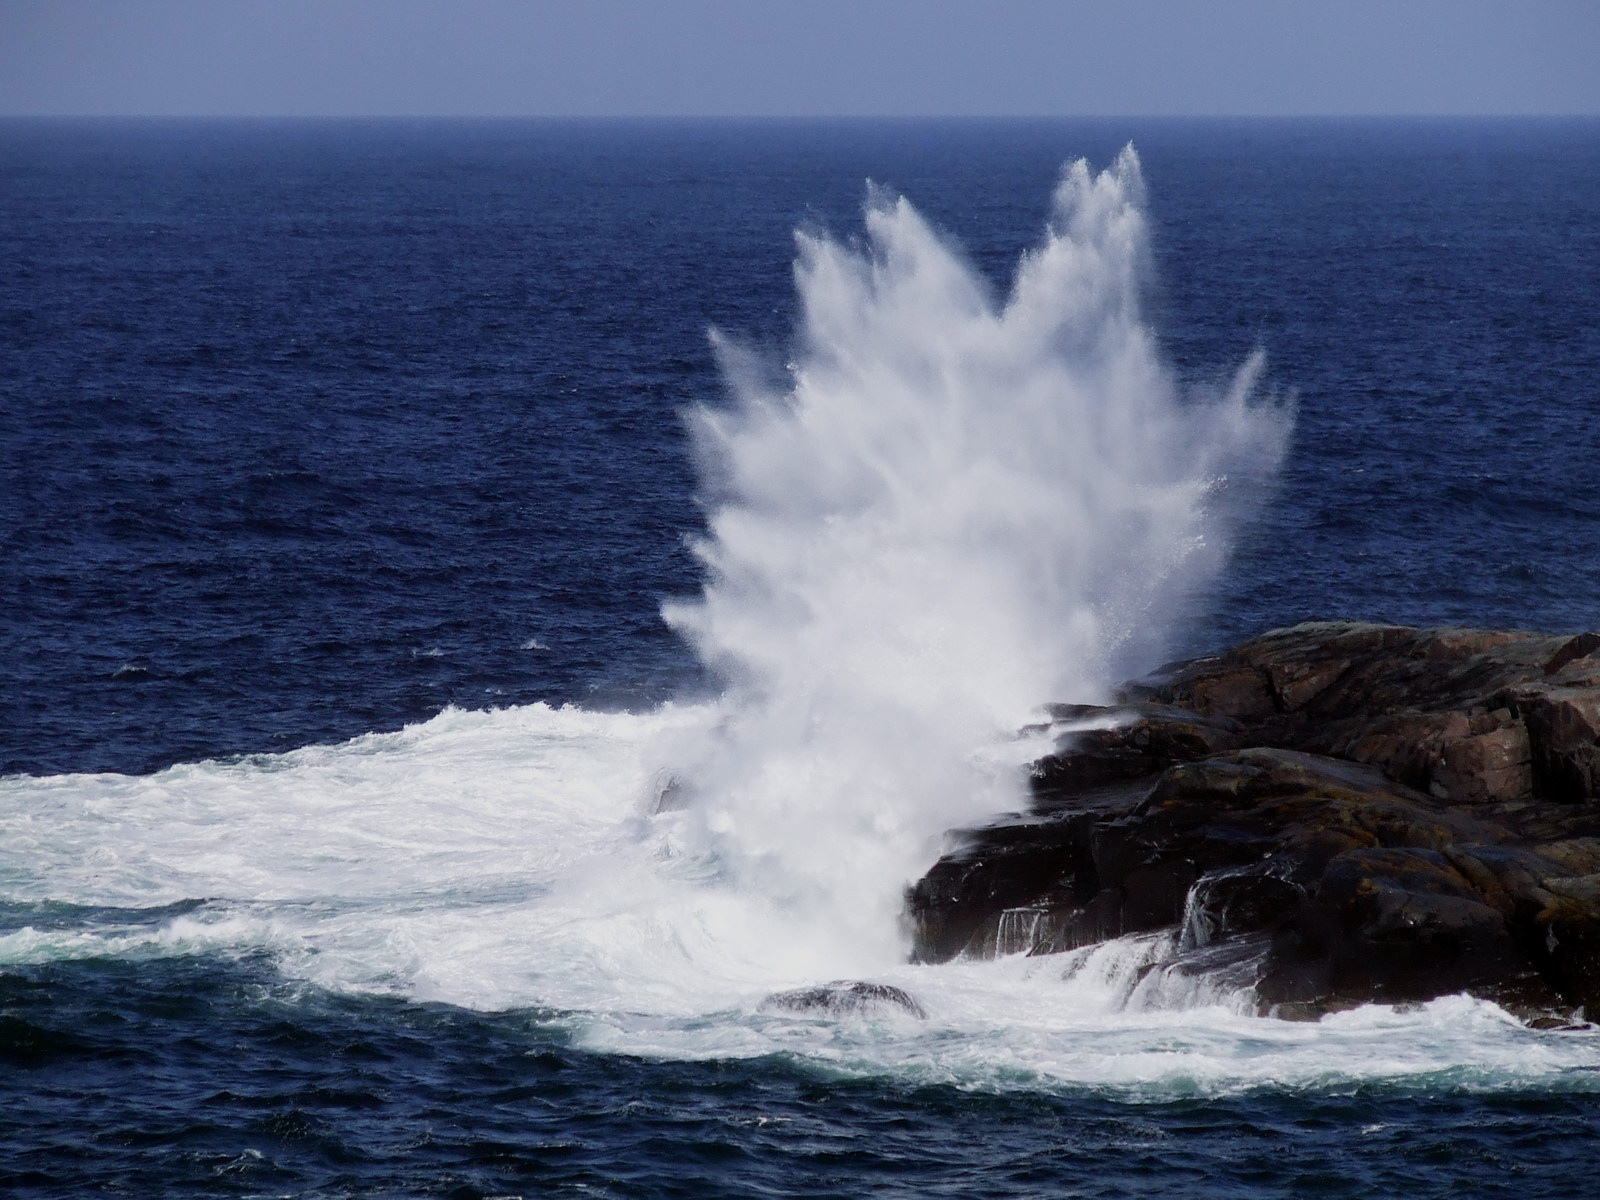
(367,831)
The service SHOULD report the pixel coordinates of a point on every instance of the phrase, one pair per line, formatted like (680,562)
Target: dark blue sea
(345,468)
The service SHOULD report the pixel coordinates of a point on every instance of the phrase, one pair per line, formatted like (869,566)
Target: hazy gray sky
(798,57)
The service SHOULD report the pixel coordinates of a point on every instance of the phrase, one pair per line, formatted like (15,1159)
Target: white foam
(953,510)
(510,860)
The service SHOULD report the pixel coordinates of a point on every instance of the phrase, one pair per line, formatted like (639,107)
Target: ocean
(489,602)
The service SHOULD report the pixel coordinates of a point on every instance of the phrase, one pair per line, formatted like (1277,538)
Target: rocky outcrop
(1380,813)
(846,997)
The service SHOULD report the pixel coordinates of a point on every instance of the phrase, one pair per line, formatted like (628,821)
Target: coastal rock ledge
(1335,814)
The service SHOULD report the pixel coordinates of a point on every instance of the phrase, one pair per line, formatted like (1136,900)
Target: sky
(798,57)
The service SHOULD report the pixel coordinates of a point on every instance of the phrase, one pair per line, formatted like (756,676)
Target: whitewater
(941,510)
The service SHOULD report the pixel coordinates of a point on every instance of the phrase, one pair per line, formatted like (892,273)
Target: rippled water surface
(341,851)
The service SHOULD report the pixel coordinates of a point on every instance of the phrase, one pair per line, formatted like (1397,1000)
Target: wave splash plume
(950,508)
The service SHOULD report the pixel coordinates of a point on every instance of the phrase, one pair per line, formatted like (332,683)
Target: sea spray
(950,510)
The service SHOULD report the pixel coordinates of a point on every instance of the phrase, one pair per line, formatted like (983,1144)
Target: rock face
(1376,813)
(845,997)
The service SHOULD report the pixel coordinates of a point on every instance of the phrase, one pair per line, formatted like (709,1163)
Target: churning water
(945,504)
(949,509)
(506,860)
(946,510)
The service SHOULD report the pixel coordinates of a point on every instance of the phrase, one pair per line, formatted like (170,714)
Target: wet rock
(1395,813)
(1106,745)
(960,905)
(845,997)
(1393,926)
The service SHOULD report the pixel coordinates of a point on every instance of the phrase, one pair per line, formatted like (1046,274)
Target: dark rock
(1223,905)
(845,997)
(1482,717)
(1097,875)
(1585,645)
(1123,743)
(1393,813)
(1397,925)
(1563,730)
(959,905)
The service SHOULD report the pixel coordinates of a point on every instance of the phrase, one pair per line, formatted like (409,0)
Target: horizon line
(843,116)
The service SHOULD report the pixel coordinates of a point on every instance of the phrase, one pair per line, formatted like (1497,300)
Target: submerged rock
(1397,813)
(845,997)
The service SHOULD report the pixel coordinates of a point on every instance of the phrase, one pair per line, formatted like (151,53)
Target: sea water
(371,831)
